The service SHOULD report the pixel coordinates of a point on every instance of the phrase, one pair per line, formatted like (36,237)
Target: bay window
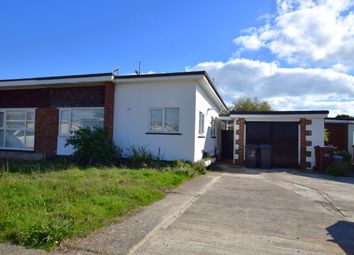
(17,129)
(72,119)
(164,120)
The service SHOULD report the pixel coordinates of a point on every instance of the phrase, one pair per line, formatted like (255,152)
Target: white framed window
(164,119)
(201,123)
(213,128)
(72,119)
(17,129)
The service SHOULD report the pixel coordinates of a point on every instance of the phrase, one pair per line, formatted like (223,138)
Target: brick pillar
(239,141)
(304,143)
(109,107)
(46,131)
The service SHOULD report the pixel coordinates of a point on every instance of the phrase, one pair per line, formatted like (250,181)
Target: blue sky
(42,38)
(295,53)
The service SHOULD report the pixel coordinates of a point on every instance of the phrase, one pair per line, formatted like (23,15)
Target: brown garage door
(283,136)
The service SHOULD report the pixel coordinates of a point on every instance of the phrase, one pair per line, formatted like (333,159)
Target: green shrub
(190,168)
(338,168)
(93,147)
(347,157)
(141,156)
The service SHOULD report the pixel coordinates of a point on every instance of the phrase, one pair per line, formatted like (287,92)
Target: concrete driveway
(237,212)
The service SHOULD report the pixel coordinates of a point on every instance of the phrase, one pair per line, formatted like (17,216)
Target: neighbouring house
(179,116)
(173,114)
(341,134)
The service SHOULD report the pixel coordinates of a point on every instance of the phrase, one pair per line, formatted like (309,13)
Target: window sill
(161,133)
(201,136)
(17,150)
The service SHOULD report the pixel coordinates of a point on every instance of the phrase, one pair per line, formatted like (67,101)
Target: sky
(297,54)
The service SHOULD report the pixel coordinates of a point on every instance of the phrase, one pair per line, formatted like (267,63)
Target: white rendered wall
(205,142)
(131,117)
(350,138)
(317,138)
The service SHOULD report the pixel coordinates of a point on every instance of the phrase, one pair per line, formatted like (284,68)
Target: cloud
(285,88)
(307,32)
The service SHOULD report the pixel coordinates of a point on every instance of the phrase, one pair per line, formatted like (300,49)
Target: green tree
(344,116)
(251,104)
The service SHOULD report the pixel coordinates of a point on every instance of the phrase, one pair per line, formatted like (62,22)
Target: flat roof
(157,75)
(120,77)
(277,112)
(59,77)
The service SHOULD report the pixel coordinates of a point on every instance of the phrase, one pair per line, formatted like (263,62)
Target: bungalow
(174,114)
(178,115)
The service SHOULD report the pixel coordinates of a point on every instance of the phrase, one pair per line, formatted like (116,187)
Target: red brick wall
(46,131)
(304,143)
(47,100)
(338,135)
(53,97)
(109,107)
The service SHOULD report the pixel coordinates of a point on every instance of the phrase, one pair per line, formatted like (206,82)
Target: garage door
(283,136)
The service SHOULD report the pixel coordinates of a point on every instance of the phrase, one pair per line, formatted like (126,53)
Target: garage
(283,136)
(293,135)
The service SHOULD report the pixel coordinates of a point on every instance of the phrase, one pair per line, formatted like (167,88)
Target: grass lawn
(40,209)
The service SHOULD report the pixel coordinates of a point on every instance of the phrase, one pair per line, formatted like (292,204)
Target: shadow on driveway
(342,233)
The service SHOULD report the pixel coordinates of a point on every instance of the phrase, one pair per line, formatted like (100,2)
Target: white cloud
(320,31)
(285,88)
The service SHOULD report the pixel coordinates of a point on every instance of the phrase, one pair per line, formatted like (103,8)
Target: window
(76,118)
(213,129)
(164,120)
(201,123)
(17,129)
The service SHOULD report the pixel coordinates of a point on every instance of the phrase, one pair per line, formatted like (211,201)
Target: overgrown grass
(41,206)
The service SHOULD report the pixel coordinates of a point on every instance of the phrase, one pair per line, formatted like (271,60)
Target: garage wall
(316,138)
(350,138)
(313,134)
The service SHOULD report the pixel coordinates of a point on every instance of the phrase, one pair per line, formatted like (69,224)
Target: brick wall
(239,141)
(46,131)
(109,107)
(47,100)
(304,133)
(53,97)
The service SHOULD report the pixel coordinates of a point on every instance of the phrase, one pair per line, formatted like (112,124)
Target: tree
(344,116)
(251,104)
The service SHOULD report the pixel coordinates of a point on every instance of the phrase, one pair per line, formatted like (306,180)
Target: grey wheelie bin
(265,156)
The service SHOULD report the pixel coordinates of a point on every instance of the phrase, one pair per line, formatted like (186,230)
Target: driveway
(237,211)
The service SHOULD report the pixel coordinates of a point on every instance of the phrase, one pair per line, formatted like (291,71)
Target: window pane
(90,118)
(30,125)
(1,138)
(16,115)
(15,124)
(64,122)
(30,116)
(201,123)
(29,141)
(15,139)
(171,119)
(1,119)
(156,119)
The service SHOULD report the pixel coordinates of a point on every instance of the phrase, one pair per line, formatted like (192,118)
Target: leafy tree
(93,147)
(344,116)
(251,104)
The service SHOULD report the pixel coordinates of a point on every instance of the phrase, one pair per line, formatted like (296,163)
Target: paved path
(247,212)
